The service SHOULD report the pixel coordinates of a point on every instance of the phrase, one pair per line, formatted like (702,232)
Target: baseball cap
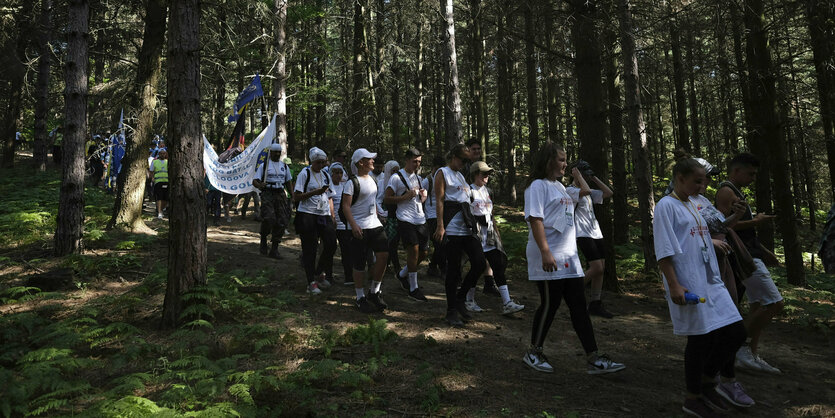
(480,166)
(360,154)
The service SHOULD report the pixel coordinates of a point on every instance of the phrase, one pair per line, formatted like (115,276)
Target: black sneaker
(417,295)
(377,300)
(452,318)
(596,308)
(404,282)
(364,306)
(462,311)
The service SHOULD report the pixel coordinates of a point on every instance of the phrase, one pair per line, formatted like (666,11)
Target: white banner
(235,175)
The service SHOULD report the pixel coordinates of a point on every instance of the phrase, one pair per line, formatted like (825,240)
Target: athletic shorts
(412,234)
(161,191)
(760,287)
(593,249)
(372,239)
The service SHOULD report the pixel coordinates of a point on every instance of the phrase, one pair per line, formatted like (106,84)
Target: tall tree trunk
(42,85)
(420,83)
(767,131)
(620,205)
(591,118)
(552,81)
(127,210)
(321,81)
(691,90)
(530,72)
(637,133)
(280,83)
(15,71)
(678,81)
(70,218)
(736,24)
(357,118)
(479,99)
(505,100)
(395,92)
(452,109)
(821,17)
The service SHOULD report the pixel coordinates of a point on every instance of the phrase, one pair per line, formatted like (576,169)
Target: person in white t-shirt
(367,232)
(404,190)
(343,233)
(314,221)
(386,213)
(458,228)
(688,265)
(437,263)
(275,207)
(491,242)
(589,236)
(553,263)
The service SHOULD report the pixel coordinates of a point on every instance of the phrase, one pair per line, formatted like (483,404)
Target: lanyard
(693,212)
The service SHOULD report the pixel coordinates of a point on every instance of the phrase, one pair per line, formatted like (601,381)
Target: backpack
(307,181)
(356,182)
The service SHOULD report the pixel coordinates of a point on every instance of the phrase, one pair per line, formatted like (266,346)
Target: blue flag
(252,91)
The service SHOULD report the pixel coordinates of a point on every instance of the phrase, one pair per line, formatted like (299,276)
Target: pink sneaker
(733,393)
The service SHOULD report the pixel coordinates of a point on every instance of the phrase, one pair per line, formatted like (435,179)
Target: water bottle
(692,298)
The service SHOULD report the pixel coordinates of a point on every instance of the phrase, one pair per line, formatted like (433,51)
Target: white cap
(362,153)
(316,154)
(275,147)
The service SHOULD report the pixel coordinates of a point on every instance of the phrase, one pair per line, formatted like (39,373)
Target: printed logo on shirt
(701,230)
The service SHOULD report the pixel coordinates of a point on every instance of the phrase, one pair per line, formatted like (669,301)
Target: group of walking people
(704,251)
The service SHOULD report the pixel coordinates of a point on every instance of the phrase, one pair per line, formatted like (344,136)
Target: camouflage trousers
(275,213)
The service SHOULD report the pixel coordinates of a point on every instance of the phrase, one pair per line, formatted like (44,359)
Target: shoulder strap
(307,179)
(405,183)
(356,182)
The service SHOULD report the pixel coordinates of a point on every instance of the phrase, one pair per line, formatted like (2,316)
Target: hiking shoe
(452,318)
(596,308)
(417,295)
(511,307)
(537,361)
(324,283)
(603,364)
(491,289)
(713,399)
(765,366)
(745,359)
(462,311)
(376,299)
(404,282)
(313,289)
(364,306)
(472,306)
(734,394)
(264,249)
(698,407)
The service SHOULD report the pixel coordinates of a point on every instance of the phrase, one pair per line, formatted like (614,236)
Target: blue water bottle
(692,298)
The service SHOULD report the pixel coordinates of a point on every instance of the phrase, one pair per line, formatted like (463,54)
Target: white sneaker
(313,289)
(537,361)
(323,281)
(472,306)
(603,364)
(511,307)
(745,359)
(765,366)
(159,216)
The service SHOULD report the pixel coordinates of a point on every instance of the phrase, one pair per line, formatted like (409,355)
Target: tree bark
(356,121)
(70,218)
(452,108)
(767,131)
(505,98)
(820,15)
(42,85)
(280,83)
(620,205)
(187,242)
(15,71)
(678,81)
(479,99)
(691,90)
(127,210)
(637,133)
(530,72)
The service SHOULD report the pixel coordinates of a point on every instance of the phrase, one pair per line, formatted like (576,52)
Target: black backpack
(356,182)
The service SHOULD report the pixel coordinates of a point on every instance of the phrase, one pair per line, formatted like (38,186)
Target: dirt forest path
(479,367)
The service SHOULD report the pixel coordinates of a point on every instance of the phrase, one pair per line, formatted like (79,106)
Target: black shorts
(411,234)
(161,191)
(372,239)
(593,249)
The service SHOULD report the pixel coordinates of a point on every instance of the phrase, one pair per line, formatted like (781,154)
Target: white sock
(375,286)
(403,271)
(360,292)
(471,295)
(505,294)
(412,281)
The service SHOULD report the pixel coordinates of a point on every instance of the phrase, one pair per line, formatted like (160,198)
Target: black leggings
(310,229)
(551,292)
(711,353)
(498,262)
(344,238)
(457,246)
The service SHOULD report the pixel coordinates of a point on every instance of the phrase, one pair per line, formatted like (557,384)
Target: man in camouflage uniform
(271,178)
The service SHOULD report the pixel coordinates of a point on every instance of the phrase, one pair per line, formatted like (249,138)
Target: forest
(620,84)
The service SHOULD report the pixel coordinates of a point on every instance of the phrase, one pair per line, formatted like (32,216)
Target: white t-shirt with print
(549,201)
(317,204)
(411,210)
(587,226)
(335,193)
(456,189)
(483,206)
(278,173)
(680,232)
(365,207)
